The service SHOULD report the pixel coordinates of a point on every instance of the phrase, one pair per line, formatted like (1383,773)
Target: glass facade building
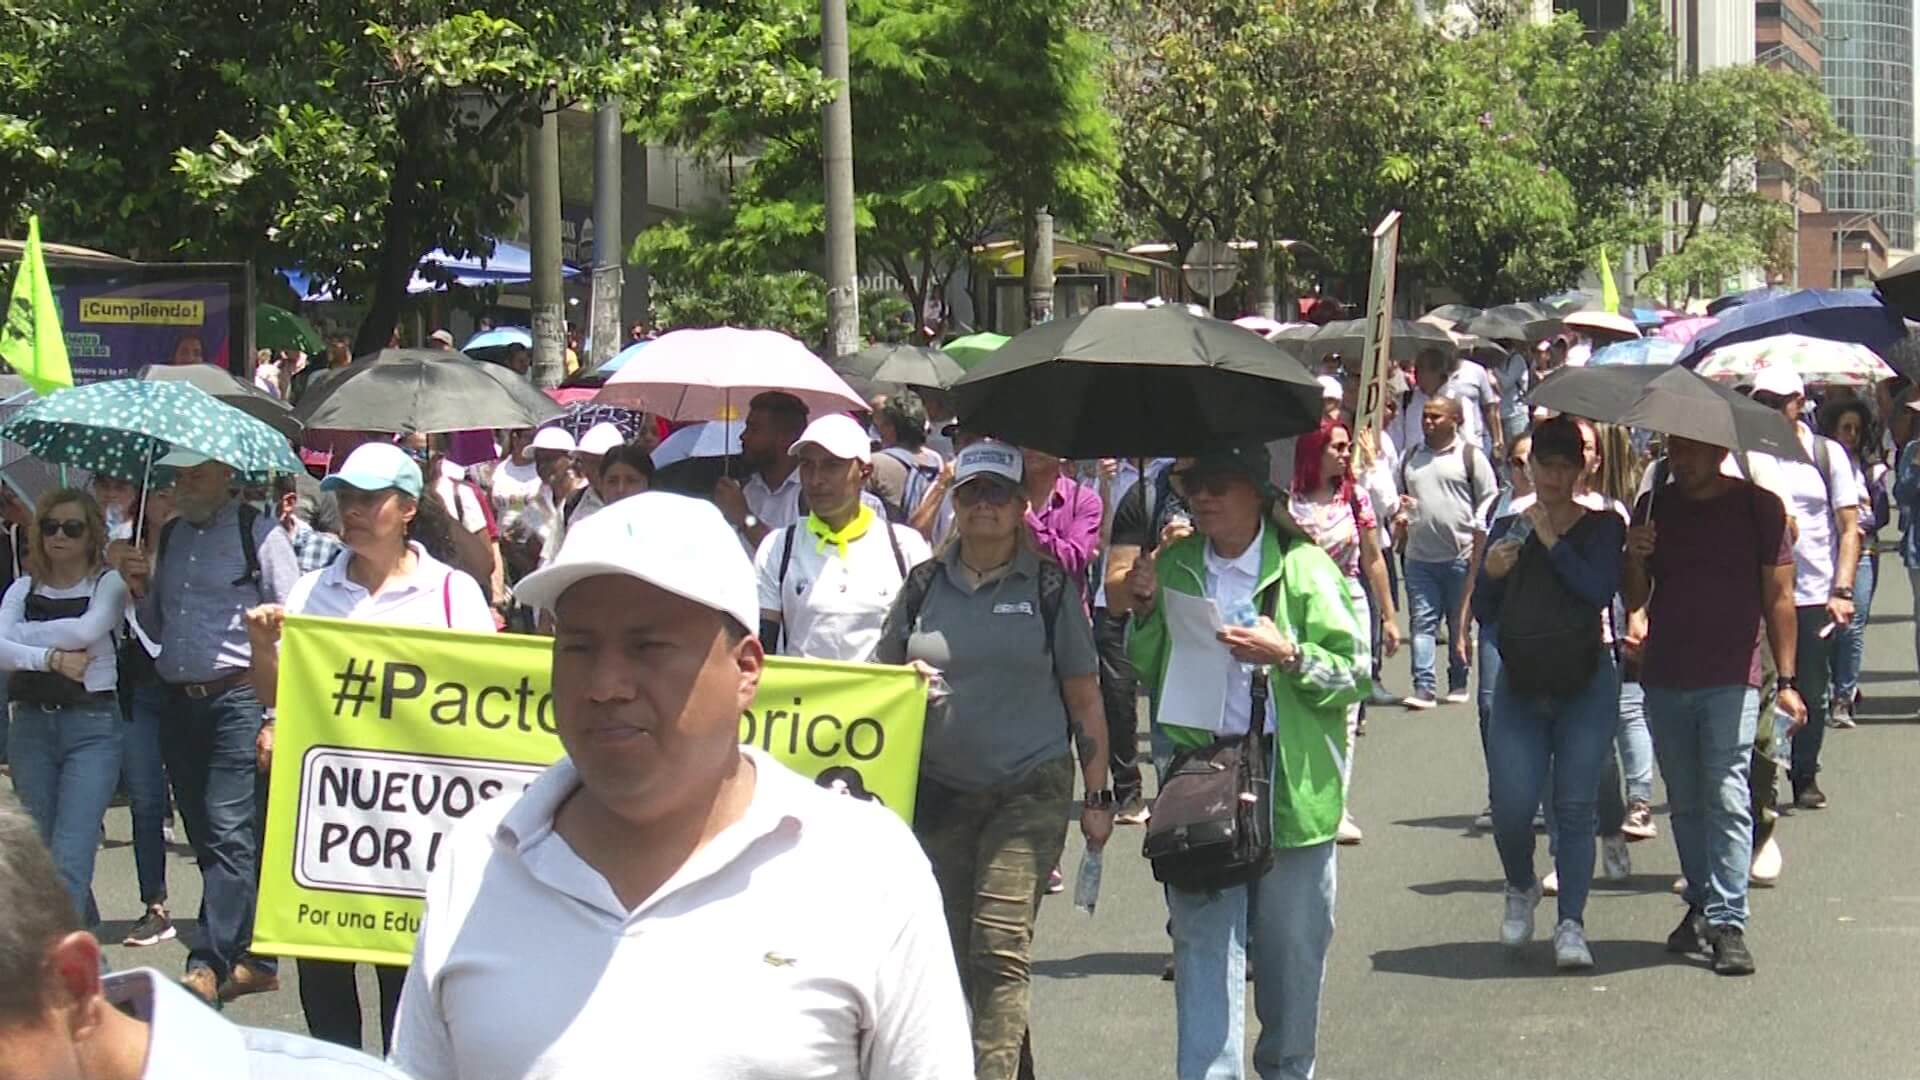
(1867,71)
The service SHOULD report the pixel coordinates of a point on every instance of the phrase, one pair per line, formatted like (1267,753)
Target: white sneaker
(1680,886)
(1766,863)
(1516,928)
(1349,833)
(1615,863)
(1485,820)
(1459,697)
(1570,950)
(1550,885)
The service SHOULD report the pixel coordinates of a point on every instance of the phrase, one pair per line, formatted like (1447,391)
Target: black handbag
(1212,822)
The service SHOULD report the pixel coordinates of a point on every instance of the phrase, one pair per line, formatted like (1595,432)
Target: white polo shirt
(434,595)
(832,608)
(807,939)
(778,507)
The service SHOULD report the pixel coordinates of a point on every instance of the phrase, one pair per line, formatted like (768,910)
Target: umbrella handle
(140,509)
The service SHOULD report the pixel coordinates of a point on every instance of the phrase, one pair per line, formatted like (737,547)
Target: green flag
(1609,292)
(31,341)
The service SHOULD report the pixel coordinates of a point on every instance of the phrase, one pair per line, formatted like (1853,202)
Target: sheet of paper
(1194,693)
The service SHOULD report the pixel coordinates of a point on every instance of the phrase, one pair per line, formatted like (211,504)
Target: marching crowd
(1629,607)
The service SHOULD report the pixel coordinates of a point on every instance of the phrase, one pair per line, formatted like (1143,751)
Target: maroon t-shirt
(1704,625)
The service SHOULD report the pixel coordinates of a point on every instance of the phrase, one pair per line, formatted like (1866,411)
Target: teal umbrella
(121,426)
(278,328)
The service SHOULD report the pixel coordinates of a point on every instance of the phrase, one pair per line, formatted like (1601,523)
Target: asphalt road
(1417,985)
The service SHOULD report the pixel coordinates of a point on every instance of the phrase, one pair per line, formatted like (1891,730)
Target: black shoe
(1808,796)
(1730,955)
(1166,974)
(153,928)
(1691,935)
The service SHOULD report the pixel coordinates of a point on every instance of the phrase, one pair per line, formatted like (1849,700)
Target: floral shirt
(1335,524)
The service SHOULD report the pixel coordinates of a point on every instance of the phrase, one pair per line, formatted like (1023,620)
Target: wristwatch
(1098,800)
(749,522)
(1786,682)
(1844,593)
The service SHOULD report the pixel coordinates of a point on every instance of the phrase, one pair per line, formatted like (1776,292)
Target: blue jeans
(1850,643)
(1812,661)
(146,780)
(1288,916)
(1488,657)
(1433,594)
(66,760)
(1703,739)
(208,745)
(1635,744)
(1567,738)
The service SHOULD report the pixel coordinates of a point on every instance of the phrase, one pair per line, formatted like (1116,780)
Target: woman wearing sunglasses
(1000,634)
(57,628)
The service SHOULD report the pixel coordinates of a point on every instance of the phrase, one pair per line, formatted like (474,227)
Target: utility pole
(609,256)
(543,207)
(843,266)
(1040,270)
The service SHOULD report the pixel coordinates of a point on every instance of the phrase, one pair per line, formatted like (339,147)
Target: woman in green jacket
(1315,649)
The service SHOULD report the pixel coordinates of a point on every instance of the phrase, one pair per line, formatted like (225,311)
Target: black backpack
(249,547)
(1549,636)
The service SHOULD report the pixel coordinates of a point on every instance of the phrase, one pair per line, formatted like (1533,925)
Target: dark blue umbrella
(1751,296)
(1854,315)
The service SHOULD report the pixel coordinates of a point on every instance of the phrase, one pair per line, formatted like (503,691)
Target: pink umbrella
(712,374)
(571,395)
(1685,330)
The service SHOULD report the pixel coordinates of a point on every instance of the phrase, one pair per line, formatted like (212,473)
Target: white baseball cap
(1780,381)
(839,435)
(599,439)
(1330,389)
(989,457)
(182,458)
(554,438)
(671,542)
(443,336)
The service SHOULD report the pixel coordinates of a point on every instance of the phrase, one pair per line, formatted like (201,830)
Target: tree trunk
(399,251)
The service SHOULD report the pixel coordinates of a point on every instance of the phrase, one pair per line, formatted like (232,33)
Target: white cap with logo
(989,457)
(1779,380)
(671,542)
(840,436)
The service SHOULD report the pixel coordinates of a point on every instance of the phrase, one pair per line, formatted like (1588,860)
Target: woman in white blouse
(388,575)
(57,627)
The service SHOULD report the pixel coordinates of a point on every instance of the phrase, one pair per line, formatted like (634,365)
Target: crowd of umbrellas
(1125,381)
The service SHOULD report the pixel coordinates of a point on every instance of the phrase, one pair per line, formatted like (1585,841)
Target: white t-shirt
(1814,551)
(776,508)
(434,595)
(461,500)
(832,608)
(1468,384)
(514,486)
(806,939)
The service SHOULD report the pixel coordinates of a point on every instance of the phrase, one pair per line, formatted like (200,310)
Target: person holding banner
(664,896)
(389,577)
(1001,629)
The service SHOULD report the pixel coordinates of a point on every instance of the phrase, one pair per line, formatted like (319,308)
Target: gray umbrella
(1408,339)
(235,391)
(902,365)
(1671,401)
(1516,322)
(408,390)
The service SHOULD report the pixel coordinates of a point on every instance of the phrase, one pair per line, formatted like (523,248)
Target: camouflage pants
(991,853)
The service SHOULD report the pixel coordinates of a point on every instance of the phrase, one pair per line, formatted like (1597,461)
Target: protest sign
(1377,360)
(386,736)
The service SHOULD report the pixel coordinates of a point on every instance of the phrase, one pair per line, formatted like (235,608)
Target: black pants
(331,1001)
(1118,690)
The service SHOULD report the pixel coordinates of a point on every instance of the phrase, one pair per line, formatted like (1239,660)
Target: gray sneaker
(1570,952)
(1615,863)
(1516,927)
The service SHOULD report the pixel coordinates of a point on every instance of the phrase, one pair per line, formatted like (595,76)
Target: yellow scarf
(854,530)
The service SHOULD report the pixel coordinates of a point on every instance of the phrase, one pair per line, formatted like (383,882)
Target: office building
(1867,70)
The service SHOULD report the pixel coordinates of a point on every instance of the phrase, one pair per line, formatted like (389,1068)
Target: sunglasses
(986,491)
(1214,484)
(74,529)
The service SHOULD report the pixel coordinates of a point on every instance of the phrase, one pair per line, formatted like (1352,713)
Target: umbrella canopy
(407,390)
(1154,383)
(120,426)
(580,416)
(1408,338)
(1815,360)
(1855,315)
(500,337)
(598,376)
(1671,401)
(224,386)
(1640,352)
(570,395)
(902,365)
(277,328)
(1516,322)
(1261,325)
(1721,304)
(709,439)
(1899,286)
(968,351)
(1454,315)
(1681,331)
(712,375)
(1604,322)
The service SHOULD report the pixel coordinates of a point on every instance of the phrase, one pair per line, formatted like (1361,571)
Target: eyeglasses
(987,491)
(74,529)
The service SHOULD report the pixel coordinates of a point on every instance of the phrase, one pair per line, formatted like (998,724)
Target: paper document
(1199,667)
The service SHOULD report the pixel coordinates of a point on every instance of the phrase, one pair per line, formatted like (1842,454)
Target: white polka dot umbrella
(119,427)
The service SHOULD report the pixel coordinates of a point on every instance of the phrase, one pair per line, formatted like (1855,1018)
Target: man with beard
(771,499)
(218,558)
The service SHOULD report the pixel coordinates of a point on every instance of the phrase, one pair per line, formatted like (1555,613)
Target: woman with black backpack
(1547,576)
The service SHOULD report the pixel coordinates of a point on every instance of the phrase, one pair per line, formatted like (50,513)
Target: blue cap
(376,466)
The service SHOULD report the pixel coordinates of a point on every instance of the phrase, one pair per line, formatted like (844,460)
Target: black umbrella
(1899,286)
(1456,314)
(1408,339)
(902,365)
(1671,401)
(408,390)
(230,389)
(1138,383)
(1516,322)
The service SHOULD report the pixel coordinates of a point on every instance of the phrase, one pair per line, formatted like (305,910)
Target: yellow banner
(386,736)
(141,311)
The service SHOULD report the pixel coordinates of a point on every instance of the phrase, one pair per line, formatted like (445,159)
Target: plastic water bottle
(1086,886)
(1243,614)
(1782,751)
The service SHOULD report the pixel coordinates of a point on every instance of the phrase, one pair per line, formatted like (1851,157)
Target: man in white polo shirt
(828,580)
(664,900)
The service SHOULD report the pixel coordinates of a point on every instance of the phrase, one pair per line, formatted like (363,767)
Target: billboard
(117,319)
